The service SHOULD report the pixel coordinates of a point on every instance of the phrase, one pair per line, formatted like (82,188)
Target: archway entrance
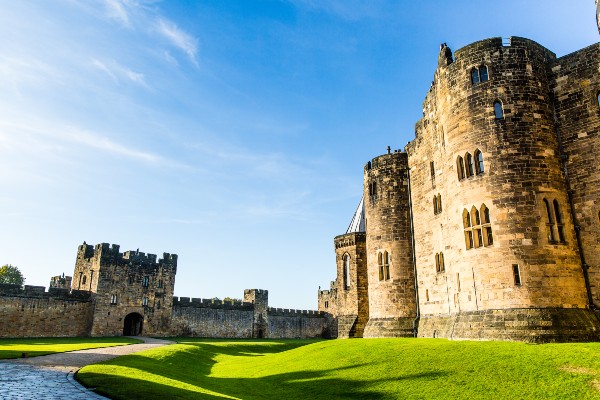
(134,323)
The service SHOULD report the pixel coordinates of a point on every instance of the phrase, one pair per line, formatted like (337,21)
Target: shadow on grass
(192,368)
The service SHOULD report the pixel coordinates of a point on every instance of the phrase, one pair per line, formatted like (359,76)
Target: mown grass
(364,368)
(14,348)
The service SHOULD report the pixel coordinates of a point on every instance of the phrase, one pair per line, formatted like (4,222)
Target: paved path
(51,377)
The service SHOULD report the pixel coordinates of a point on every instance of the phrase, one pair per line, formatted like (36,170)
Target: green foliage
(12,275)
(14,348)
(369,369)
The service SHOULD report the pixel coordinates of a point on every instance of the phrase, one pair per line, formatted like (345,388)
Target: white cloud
(117,10)
(177,37)
(118,72)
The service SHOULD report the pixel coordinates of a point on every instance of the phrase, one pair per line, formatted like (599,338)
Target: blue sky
(232,133)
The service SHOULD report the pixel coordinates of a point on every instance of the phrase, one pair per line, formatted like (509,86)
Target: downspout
(414,256)
(563,159)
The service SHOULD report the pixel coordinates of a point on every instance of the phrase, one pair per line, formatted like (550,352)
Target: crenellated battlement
(287,312)
(384,160)
(106,252)
(31,291)
(211,303)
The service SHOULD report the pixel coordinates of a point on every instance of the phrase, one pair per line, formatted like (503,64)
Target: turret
(390,268)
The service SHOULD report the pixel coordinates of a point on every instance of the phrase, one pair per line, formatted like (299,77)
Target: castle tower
(494,238)
(390,267)
(260,299)
(132,291)
(352,299)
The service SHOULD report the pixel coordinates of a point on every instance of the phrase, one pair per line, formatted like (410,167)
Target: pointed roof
(358,220)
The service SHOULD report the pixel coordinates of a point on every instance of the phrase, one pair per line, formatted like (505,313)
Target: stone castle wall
(575,89)
(131,293)
(502,197)
(213,319)
(32,312)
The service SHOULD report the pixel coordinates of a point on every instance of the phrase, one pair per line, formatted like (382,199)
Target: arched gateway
(133,325)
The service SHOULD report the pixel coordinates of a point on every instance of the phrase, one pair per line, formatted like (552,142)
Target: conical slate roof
(358,220)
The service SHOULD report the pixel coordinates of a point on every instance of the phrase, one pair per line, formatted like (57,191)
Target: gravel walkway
(51,377)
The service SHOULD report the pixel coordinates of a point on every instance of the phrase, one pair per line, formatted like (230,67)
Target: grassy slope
(13,348)
(374,369)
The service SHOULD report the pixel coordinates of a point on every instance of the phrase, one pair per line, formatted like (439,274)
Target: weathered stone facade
(494,207)
(131,293)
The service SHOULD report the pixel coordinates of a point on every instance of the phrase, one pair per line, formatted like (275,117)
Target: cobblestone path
(51,377)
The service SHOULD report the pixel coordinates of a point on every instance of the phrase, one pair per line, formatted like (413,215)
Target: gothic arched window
(469,165)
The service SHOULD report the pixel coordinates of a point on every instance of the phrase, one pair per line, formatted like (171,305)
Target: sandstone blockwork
(489,220)
(131,293)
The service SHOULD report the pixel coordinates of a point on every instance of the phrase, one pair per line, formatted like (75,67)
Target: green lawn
(360,368)
(14,348)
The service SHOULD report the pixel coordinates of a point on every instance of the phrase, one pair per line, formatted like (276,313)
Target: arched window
(488,238)
(478,162)
(346,271)
(439,262)
(483,73)
(84,280)
(469,165)
(474,76)
(468,230)
(559,222)
(460,168)
(386,265)
(549,222)
(380,264)
(498,110)
(598,98)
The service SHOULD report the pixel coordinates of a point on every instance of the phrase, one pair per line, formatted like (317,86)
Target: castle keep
(131,293)
(487,225)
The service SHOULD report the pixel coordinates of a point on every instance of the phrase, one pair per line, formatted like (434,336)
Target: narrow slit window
(432,169)
(559,222)
(498,110)
(386,265)
(442,266)
(346,271)
(380,264)
(598,99)
(517,274)
(549,222)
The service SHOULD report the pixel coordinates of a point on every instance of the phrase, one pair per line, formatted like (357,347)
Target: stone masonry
(131,293)
(490,217)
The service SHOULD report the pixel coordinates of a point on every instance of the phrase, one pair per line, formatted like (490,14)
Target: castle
(131,293)
(487,224)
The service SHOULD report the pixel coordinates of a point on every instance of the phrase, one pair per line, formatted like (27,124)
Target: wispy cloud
(118,72)
(117,10)
(178,37)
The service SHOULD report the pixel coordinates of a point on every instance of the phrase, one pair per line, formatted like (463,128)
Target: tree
(12,275)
